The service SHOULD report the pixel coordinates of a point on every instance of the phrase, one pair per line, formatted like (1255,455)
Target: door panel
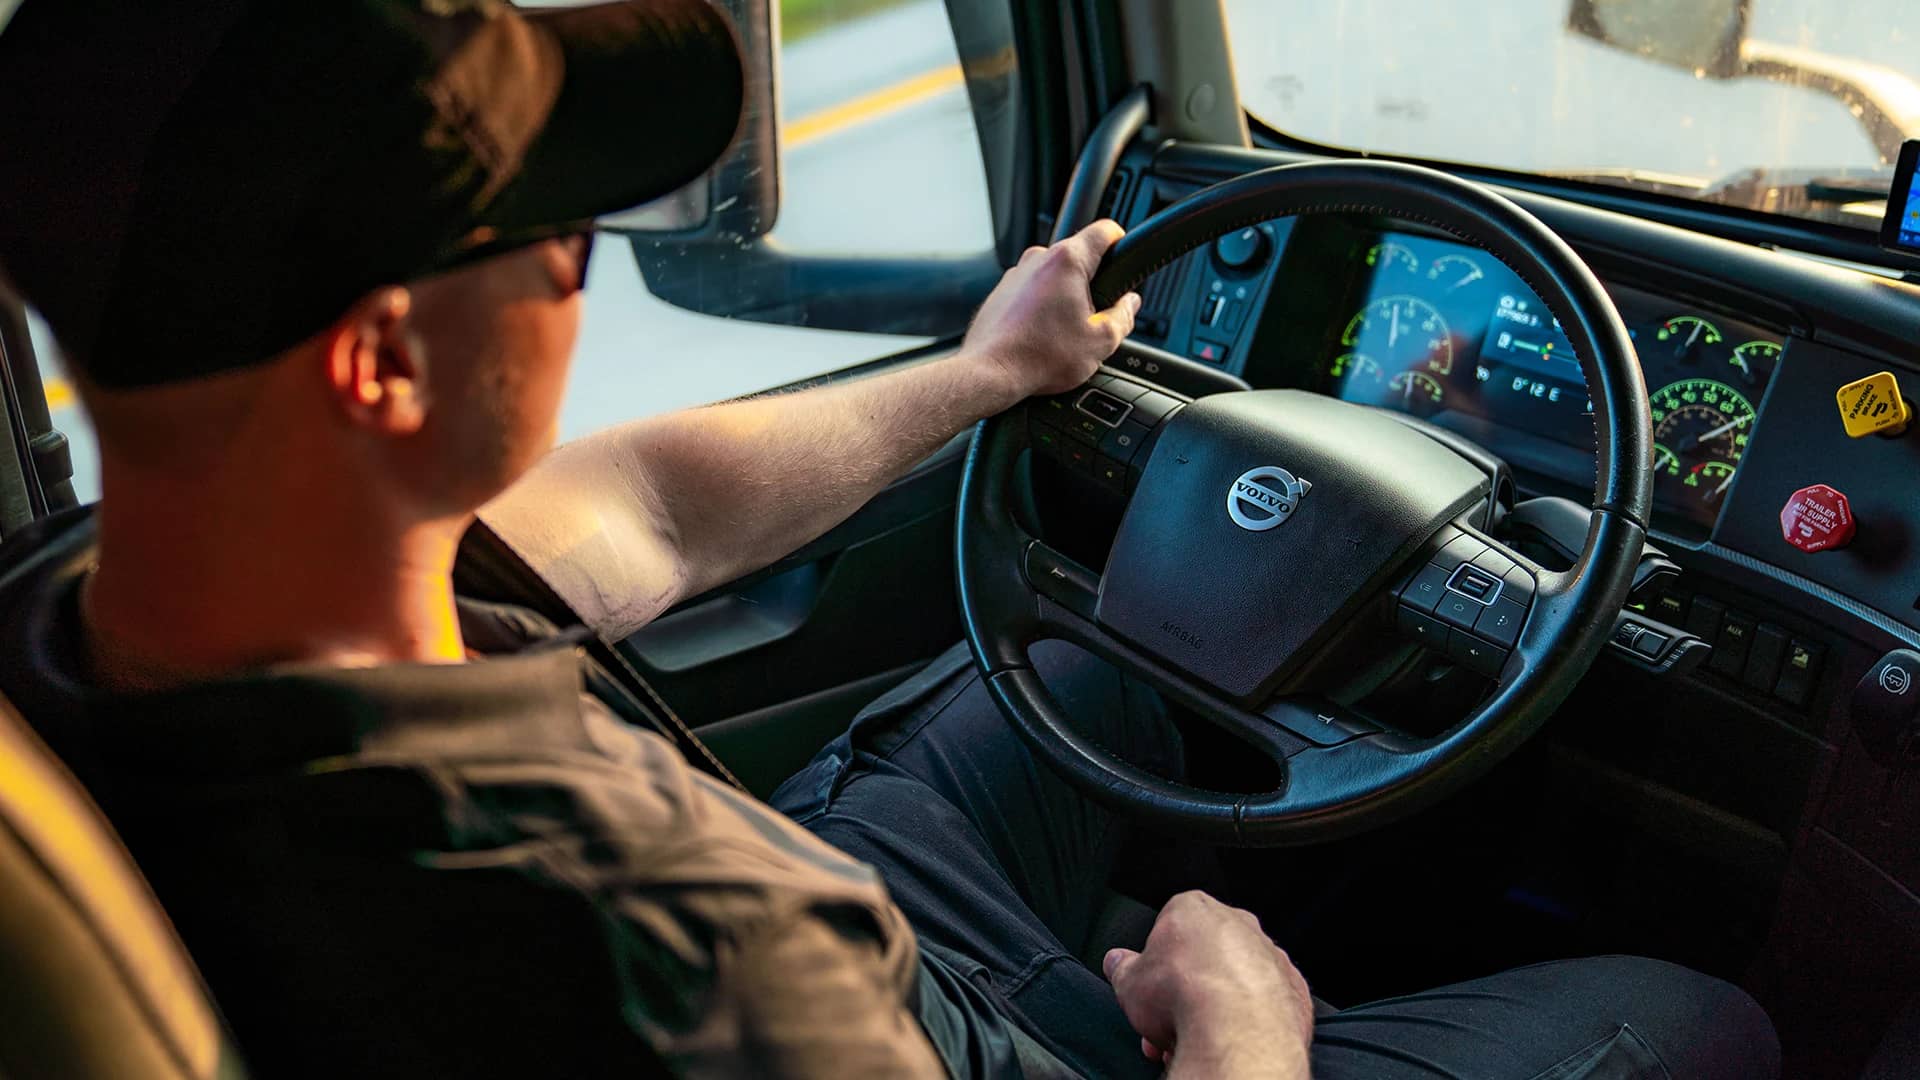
(771,667)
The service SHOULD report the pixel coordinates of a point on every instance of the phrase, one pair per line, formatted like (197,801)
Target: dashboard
(1431,327)
(1792,538)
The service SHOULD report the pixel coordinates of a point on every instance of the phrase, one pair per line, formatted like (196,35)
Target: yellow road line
(814,125)
(835,118)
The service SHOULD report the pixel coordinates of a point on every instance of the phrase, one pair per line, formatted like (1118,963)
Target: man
(317,267)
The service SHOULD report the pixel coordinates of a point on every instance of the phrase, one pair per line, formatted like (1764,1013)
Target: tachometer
(1700,431)
(1394,255)
(1455,271)
(1402,333)
(1686,335)
(1755,357)
(1416,391)
(1355,367)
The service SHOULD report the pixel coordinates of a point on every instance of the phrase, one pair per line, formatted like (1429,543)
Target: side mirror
(738,199)
(1702,36)
(706,248)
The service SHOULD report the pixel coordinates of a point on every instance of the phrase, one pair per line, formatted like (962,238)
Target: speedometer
(1402,333)
(1700,431)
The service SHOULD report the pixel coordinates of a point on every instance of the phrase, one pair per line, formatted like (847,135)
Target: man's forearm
(629,521)
(744,483)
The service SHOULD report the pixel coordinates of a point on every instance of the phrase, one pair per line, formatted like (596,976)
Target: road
(879,152)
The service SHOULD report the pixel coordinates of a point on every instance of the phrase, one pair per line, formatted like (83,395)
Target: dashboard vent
(1159,296)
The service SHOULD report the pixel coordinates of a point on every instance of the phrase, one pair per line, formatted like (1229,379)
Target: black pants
(996,859)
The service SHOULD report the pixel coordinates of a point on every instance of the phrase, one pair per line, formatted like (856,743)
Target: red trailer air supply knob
(1817,518)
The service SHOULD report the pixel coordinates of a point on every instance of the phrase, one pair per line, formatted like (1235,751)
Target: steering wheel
(1266,523)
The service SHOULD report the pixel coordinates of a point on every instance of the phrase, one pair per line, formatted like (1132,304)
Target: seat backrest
(93,980)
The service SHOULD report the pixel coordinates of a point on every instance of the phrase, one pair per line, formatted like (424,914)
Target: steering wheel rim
(1333,786)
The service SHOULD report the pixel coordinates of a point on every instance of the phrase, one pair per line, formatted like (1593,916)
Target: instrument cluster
(1446,332)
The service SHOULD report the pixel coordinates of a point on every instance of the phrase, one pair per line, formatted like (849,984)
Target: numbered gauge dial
(1415,392)
(1356,369)
(1455,272)
(1701,428)
(1754,360)
(1687,337)
(1392,256)
(1402,333)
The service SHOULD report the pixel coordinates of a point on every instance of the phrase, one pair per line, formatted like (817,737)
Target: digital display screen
(1900,230)
(1448,333)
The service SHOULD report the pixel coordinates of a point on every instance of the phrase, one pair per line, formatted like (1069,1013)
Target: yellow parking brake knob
(1873,406)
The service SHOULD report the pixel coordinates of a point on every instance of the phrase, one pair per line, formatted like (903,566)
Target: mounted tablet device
(1900,228)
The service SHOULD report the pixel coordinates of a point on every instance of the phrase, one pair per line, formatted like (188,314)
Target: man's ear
(377,364)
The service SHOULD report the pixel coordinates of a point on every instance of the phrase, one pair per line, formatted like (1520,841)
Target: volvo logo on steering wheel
(1265,497)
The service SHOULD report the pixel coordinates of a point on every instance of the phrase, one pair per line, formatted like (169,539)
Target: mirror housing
(1706,36)
(706,248)
(739,198)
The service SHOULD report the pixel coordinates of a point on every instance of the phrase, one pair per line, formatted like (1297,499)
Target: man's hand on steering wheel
(1204,596)
(1039,327)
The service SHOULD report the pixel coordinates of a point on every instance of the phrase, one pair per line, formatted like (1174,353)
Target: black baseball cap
(188,188)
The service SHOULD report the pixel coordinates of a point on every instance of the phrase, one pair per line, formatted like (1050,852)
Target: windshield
(1798,111)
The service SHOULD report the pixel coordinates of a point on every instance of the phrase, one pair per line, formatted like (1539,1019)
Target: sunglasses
(503,244)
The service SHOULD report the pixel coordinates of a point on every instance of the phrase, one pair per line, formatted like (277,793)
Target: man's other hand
(1039,329)
(1211,995)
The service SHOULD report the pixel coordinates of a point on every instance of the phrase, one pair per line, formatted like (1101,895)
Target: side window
(63,408)
(881,174)
(879,160)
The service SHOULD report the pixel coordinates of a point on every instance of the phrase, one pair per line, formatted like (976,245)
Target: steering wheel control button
(1084,428)
(1061,579)
(1500,624)
(1461,549)
(1520,585)
(1152,407)
(1474,654)
(1425,590)
(1110,474)
(1104,407)
(1123,442)
(1493,562)
(1817,518)
(1474,583)
(1114,386)
(1886,703)
(1873,406)
(1424,629)
(1457,609)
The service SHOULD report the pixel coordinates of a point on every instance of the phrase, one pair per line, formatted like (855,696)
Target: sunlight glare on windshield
(1507,83)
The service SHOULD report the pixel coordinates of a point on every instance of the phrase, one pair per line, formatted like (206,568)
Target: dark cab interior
(1731,785)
